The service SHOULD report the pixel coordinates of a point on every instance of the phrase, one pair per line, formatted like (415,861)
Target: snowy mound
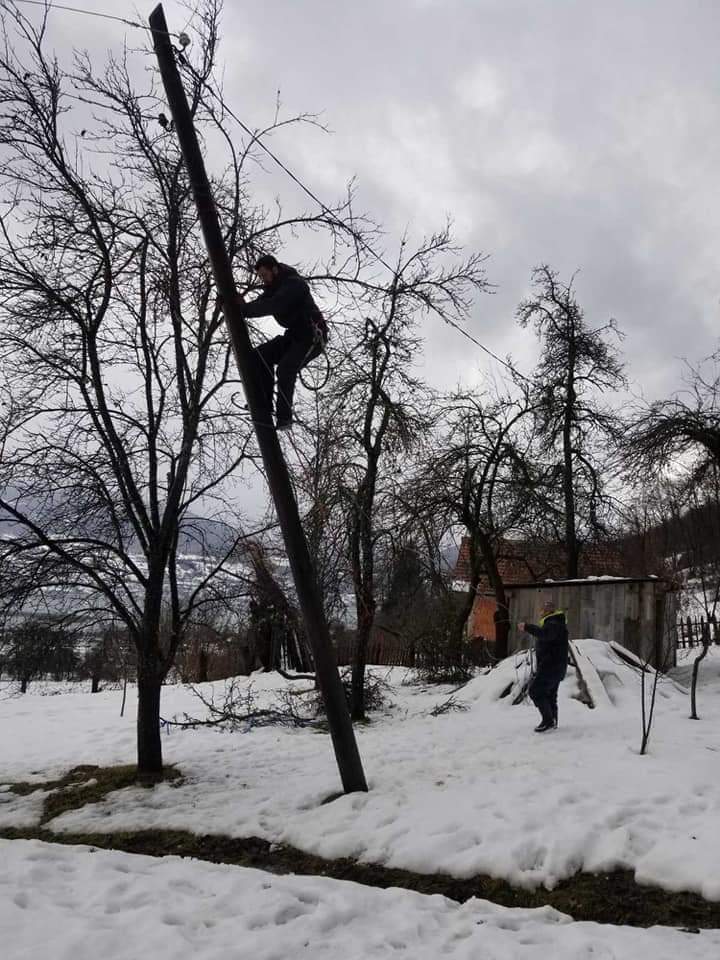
(600,674)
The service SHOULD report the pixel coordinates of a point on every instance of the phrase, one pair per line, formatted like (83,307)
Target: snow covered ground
(463,793)
(80,903)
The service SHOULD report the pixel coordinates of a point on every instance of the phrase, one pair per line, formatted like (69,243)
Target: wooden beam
(338,716)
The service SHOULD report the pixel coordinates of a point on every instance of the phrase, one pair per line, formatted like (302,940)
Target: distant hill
(687,541)
(200,534)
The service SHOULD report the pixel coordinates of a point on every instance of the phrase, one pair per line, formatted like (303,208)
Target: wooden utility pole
(343,735)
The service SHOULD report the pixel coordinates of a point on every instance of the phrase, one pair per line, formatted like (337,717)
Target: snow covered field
(73,903)
(463,793)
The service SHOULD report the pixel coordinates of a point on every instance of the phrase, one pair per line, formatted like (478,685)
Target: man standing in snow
(287,298)
(551,654)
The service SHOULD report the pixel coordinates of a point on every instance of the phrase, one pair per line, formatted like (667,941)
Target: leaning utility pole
(343,736)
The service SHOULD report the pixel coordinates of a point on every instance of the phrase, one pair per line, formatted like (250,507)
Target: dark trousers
(289,355)
(543,692)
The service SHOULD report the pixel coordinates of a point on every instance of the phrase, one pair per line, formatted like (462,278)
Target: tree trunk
(124,696)
(363,561)
(502,625)
(294,655)
(298,657)
(483,554)
(203,659)
(149,745)
(571,544)
(502,612)
(467,606)
(648,712)
(364,627)
(693,685)
(459,632)
(264,645)
(95,681)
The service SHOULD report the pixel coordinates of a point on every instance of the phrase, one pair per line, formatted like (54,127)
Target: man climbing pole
(551,651)
(286,296)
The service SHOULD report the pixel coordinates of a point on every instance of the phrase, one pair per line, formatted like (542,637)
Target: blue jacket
(289,301)
(551,643)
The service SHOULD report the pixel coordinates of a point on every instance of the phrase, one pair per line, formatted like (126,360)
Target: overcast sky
(582,134)
(585,135)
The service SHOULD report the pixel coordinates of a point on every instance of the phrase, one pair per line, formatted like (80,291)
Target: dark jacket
(551,643)
(289,301)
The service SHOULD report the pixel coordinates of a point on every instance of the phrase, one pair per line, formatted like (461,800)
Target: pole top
(157,20)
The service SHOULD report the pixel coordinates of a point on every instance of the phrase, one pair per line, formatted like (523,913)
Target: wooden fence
(696,631)
(385,649)
(392,649)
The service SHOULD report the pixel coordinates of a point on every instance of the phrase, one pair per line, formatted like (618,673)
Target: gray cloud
(584,135)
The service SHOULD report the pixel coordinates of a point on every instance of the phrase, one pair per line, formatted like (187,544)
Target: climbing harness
(319,339)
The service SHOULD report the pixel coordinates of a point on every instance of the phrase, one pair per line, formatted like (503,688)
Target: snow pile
(619,670)
(90,903)
(463,793)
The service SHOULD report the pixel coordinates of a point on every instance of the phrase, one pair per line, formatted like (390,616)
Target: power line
(329,213)
(51,5)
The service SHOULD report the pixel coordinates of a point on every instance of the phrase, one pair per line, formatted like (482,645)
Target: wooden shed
(639,613)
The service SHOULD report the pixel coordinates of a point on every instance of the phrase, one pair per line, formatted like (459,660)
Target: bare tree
(375,409)
(651,674)
(106,657)
(482,479)
(417,605)
(276,623)
(677,442)
(391,406)
(695,505)
(318,460)
(685,426)
(40,647)
(577,362)
(117,430)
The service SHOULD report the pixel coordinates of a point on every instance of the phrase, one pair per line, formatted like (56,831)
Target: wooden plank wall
(605,610)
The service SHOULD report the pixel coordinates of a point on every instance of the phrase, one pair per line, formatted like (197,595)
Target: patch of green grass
(24,788)
(77,775)
(84,785)
(88,783)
